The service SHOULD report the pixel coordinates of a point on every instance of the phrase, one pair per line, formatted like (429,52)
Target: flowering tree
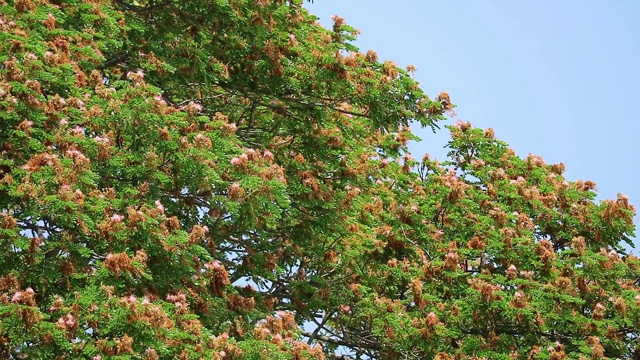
(230,180)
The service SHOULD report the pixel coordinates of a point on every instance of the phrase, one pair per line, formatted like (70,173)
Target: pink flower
(77,131)
(160,100)
(66,321)
(192,108)
(159,206)
(101,140)
(117,218)
(16,297)
(215,265)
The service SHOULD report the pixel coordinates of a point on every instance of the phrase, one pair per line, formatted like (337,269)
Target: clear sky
(560,79)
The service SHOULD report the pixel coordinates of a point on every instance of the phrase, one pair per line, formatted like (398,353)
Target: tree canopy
(228,179)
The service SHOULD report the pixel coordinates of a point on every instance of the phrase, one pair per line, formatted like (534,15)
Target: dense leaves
(230,180)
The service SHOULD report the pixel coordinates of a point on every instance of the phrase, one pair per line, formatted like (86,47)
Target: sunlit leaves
(232,180)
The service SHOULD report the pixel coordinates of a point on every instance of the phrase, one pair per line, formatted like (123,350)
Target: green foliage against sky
(229,180)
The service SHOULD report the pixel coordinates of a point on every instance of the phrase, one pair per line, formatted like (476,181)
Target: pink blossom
(80,104)
(101,140)
(117,218)
(250,153)
(77,131)
(160,100)
(66,321)
(192,108)
(97,357)
(16,297)
(63,122)
(215,265)
(159,206)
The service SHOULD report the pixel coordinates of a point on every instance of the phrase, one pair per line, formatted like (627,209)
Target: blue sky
(560,79)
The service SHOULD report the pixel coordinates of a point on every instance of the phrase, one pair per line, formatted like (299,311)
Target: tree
(228,179)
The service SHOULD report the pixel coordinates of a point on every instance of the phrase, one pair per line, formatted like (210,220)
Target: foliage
(228,179)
